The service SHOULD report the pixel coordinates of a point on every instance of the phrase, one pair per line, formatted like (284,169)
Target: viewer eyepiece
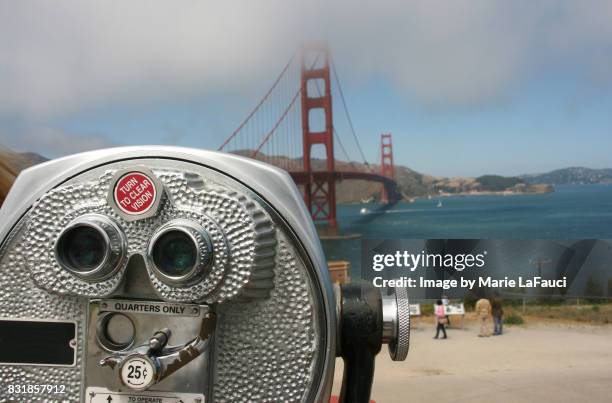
(82,248)
(175,253)
(180,252)
(91,247)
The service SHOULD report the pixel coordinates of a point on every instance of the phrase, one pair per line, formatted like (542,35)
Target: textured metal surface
(265,349)
(398,349)
(20,298)
(281,324)
(232,221)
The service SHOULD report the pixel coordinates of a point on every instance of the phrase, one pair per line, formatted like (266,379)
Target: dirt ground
(557,362)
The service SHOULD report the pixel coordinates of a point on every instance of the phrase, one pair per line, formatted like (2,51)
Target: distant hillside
(571,176)
(411,183)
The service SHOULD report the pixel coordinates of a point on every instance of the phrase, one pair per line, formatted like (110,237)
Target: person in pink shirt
(440,319)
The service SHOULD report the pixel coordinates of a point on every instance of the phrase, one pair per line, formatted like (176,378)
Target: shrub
(427,309)
(514,319)
(593,288)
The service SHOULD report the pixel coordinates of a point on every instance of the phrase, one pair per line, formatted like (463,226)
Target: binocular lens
(175,253)
(82,248)
(91,247)
(180,253)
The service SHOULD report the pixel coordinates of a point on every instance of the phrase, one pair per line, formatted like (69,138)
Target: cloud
(60,57)
(52,143)
(474,51)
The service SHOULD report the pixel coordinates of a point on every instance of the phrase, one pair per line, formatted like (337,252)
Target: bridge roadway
(302,177)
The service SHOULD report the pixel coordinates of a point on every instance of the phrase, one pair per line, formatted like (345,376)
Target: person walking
(483,312)
(498,315)
(445,302)
(440,319)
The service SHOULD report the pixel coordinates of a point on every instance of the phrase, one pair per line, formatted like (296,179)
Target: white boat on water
(364,211)
(439,203)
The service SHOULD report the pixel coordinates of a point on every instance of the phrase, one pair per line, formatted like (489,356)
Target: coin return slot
(115,331)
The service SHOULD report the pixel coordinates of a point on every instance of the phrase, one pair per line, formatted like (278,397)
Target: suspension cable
(244,122)
(351,163)
(278,122)
(348,116)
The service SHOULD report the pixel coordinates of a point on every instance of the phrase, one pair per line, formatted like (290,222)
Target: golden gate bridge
(281,133)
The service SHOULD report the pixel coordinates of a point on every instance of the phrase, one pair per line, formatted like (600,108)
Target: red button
(135,193)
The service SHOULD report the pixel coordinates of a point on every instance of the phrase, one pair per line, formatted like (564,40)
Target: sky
(465,87)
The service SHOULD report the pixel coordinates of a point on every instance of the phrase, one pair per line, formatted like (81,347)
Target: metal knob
(396,323)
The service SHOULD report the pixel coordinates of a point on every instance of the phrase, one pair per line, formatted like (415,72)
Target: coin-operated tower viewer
(180,275)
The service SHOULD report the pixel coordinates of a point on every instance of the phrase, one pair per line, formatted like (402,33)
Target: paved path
(556,363)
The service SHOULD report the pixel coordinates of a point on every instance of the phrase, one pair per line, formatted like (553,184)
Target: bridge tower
(320,193)
(386,162)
